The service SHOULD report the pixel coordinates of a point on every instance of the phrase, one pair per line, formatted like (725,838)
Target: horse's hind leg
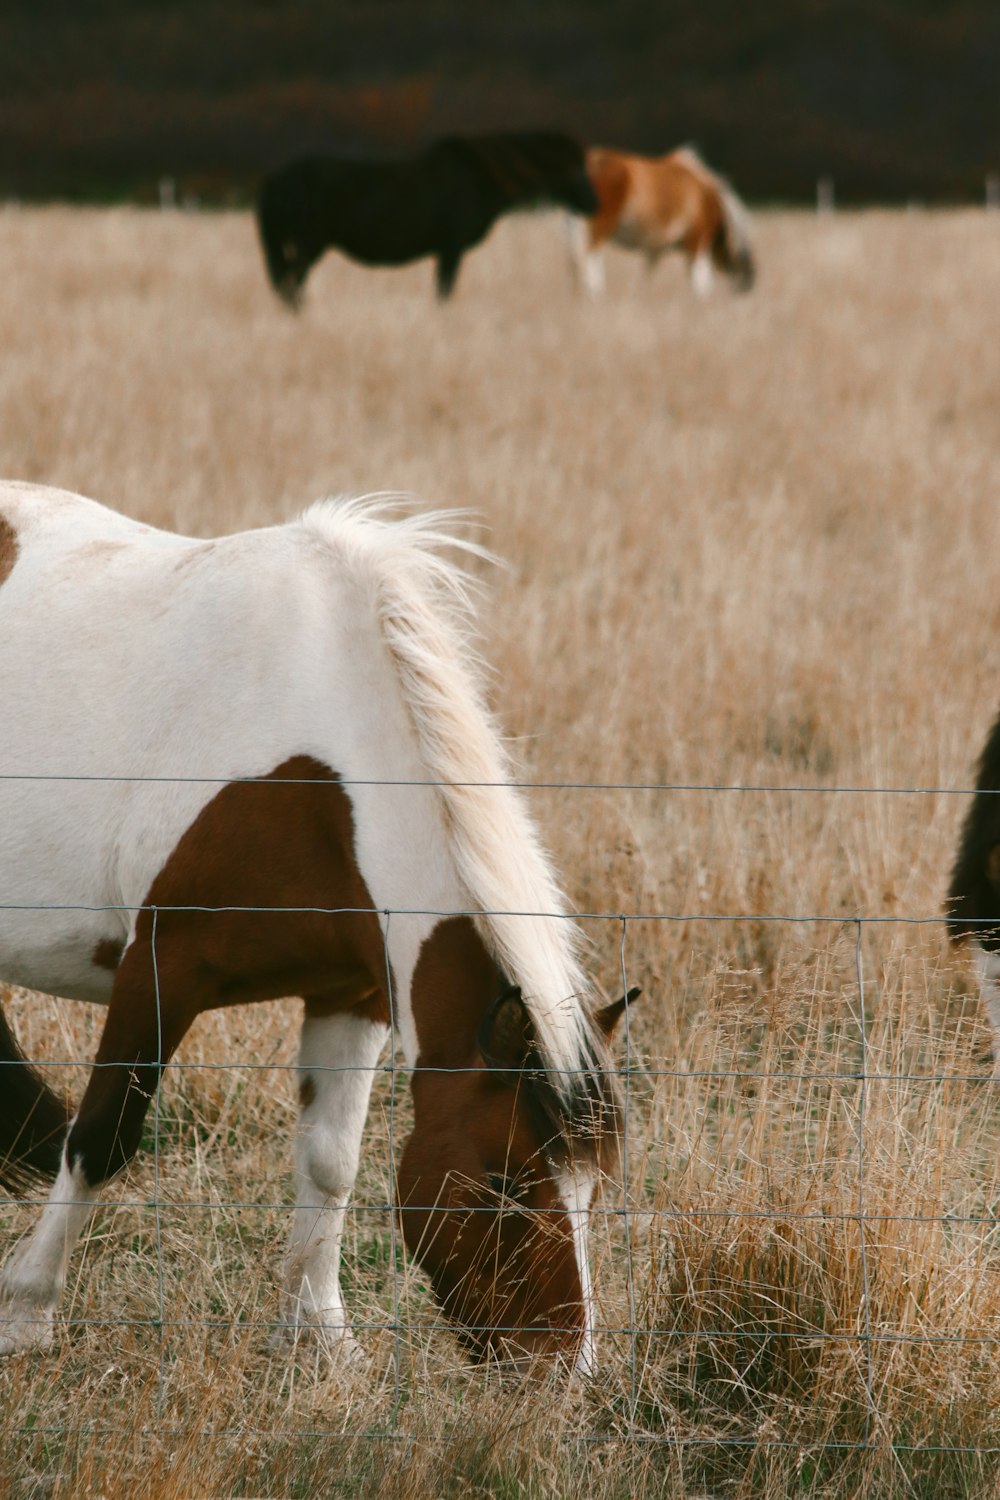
(337,1062)
(139,1036)
(702,279)
(698,249)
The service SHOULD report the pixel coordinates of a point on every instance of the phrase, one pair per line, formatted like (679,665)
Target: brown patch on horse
(502,1263)
(288,914)
(8,549)
(107,953)
(279,853)
(307,1092)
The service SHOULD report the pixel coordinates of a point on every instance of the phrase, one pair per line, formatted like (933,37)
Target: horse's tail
(732,251)
(33,1120)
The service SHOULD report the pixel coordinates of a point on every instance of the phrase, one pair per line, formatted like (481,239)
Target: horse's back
(138,671)
(650,202)
(378,212)
(104,619)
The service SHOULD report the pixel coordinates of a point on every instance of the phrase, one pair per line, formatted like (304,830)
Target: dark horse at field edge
(440,202)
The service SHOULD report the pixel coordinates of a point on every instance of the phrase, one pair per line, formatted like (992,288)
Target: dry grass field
(752,544)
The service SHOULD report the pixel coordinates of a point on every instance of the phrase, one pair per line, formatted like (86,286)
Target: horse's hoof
(24,1330)
(337,1346)
(337,1343)
(344,1352)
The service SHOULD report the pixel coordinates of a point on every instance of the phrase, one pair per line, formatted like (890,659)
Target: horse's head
(561,168)
(527,167)
(496,1184)
(578,194)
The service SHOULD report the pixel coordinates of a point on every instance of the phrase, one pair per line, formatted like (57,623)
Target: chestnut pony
(656,204)
(261,765)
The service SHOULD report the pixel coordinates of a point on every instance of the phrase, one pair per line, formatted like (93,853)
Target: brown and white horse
(656,204)
(260,766)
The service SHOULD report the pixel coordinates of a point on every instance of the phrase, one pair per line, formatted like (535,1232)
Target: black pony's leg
(291,278)
(289,262)
(448,262)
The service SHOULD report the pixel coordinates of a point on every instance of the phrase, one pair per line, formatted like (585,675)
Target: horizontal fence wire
(524,786)
(637,1074)
(801,918)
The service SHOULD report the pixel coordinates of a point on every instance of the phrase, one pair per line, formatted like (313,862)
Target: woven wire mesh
(623,1207)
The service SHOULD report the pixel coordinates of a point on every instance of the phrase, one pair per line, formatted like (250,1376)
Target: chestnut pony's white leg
(701,273)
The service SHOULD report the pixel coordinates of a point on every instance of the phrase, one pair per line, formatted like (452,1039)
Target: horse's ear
(607,1019)
(506,1035)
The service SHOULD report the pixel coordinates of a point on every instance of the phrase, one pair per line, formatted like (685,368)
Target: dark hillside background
(894,99)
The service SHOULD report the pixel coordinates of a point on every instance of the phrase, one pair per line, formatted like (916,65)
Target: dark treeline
(894,99)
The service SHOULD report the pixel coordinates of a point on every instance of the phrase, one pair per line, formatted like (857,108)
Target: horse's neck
(405,857)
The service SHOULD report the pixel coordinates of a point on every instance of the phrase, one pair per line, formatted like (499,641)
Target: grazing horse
(260,766)
(973,904)
(440,202)
(656,204)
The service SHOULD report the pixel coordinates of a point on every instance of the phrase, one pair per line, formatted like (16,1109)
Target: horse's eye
(513,1189)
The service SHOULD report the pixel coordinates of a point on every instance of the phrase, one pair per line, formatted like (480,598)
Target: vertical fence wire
(626,1201)
(157,1223)
(393,1193)
(870,1413)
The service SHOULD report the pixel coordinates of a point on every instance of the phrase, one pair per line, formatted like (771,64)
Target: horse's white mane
(424,607)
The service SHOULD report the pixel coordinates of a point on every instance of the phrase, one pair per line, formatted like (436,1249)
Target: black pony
(973,904)
(440,202)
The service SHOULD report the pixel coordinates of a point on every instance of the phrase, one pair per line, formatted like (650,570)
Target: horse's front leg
(337,1061)
(102,1139)
(448,263)
(33,1277)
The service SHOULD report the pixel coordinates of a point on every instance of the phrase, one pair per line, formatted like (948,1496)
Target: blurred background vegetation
(893,99)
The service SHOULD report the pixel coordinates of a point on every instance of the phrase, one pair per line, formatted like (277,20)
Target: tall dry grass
(752,543)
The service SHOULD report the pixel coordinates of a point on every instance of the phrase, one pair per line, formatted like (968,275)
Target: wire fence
(630,1211)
